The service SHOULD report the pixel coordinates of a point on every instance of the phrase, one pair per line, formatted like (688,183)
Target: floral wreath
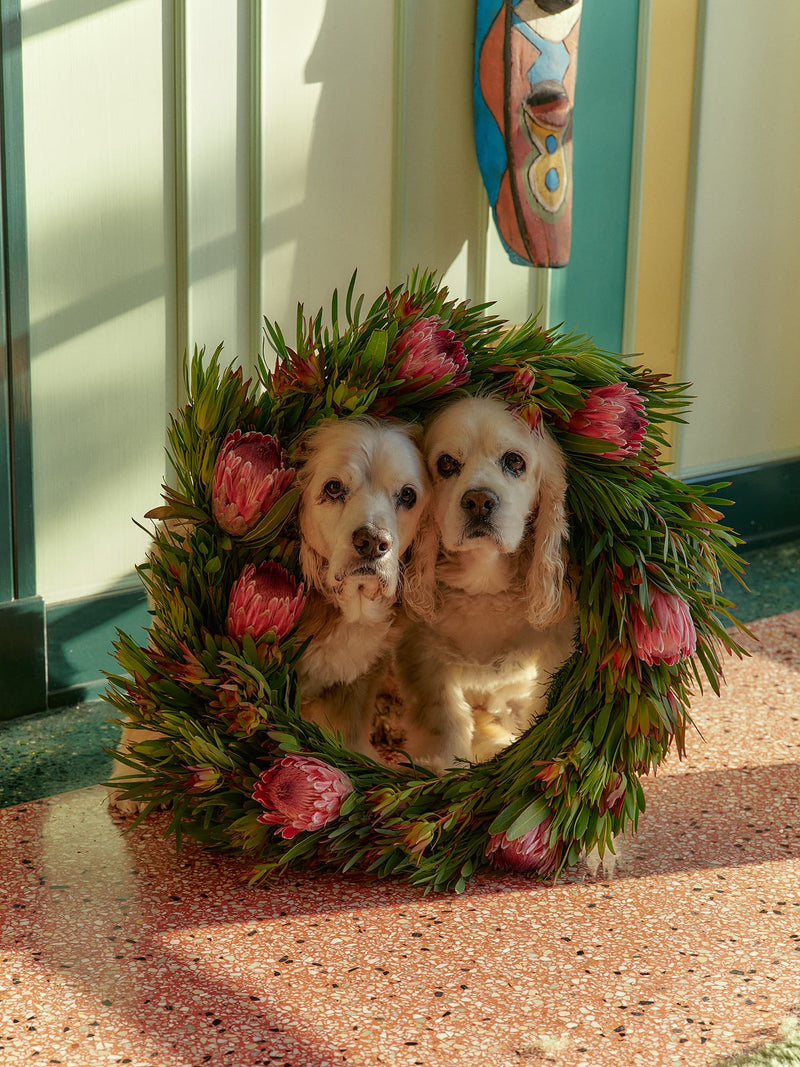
(236,764)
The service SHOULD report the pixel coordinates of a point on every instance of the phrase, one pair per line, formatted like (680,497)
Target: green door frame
(23,678)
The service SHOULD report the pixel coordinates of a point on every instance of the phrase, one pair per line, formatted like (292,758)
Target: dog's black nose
(371,542)
(479,503)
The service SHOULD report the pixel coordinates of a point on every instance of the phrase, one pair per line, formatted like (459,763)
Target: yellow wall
(665,185)
(719,255)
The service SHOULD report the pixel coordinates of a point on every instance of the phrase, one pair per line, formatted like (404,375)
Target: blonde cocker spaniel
(364,489)
(487,588)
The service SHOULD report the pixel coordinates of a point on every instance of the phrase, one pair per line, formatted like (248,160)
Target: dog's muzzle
(479,506)
(372,542)
(372,547)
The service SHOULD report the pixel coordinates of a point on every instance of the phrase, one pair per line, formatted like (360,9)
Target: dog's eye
(513,463)
(447,466)
(407,497)
(334,490)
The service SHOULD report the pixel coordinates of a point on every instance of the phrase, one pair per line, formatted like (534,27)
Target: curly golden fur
(364,489)
(487,589)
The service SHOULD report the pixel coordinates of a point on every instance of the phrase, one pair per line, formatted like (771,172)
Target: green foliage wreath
(233,755)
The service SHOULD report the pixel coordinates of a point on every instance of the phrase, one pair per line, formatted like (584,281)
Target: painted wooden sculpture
(524,91)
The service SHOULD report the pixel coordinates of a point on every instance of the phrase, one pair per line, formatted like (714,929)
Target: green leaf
(529,819)
(507,816)
(272,522)
(375,351)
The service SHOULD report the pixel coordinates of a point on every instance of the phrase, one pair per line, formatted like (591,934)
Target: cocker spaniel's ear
(313,566)
(547,601)
(418,573)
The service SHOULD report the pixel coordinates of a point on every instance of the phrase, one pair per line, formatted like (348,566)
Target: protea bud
(531,852)
(518,394)
(234,709)
(670,635)
(613,413)
(613,796)
(201,779)
(249,475)
(263,599)
(303,372)
(301,793)
(428,354)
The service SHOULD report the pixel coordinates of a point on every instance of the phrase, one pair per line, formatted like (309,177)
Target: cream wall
(719,214)
(101,376)
(194,166)
(741,315)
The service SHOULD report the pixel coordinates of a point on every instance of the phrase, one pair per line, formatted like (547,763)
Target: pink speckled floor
(115,951)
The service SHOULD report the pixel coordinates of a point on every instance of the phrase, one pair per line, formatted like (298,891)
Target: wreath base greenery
(226,708)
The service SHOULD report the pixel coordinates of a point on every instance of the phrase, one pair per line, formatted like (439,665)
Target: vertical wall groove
(180,160)
(254,205)
(17,328)
(637,177)
(399,119)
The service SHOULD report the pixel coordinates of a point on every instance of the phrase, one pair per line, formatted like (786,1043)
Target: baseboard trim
(80,634)
(766,508)
(23,660)
(55,655)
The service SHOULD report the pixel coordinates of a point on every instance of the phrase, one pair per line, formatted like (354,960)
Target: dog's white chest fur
(347,650)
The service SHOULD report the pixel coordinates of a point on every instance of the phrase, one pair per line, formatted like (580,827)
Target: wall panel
(327,151)
(98,286)
(217,98)
(742,318)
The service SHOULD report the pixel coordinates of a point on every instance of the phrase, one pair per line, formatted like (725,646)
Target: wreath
(234,762)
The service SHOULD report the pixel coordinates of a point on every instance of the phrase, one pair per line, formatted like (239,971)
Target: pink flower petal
(301,793)
(250,474)
(263,599)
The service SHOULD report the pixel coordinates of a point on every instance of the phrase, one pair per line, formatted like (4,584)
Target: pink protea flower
(670,635)
(249,476)
(301,793)
(613,413)
(427,354)
(263,599)
(531,852)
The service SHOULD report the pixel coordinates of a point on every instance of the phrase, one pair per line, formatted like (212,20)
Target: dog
(363,491)
(364,488)
(488,589)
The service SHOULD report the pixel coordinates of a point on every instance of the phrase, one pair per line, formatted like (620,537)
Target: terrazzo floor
(686,952)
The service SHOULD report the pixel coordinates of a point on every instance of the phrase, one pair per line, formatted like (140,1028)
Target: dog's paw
(490,736)
(122,805)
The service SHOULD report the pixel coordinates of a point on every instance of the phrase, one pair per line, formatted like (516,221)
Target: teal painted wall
(589,294)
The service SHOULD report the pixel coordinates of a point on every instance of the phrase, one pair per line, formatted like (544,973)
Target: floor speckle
(685,950)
